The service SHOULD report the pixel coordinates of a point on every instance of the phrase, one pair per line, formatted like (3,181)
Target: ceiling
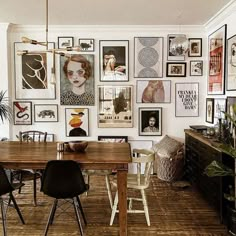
(110,12)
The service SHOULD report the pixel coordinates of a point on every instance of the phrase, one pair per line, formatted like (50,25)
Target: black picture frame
(115,139)
(65,41)
(195,47)
(176,69)
(22,113)
(210,110)
(45,113)
(196,68)
(170,51)
(87,44)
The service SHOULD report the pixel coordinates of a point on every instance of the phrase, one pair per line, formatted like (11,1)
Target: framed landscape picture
(113,139)
(176,69)
(195,47)
(87,45)
(210,110)
(219,107)
(196,68)
(45,113)
(231,62)
(64,42)
(22,113)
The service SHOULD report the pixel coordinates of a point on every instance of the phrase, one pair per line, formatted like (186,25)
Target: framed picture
(176,69)
(150,121)
(231,78)
(77,83)
(186,99)
(216,54)
(77,122)
(153,91)
(114,60)
(64,42)
(115,107)
(195,47)
(113,139)
(45,113)
(196,68)
(148,57)
(174,53)
(219,107)
(210,110)
(32,72)
(22,113)
(87,45)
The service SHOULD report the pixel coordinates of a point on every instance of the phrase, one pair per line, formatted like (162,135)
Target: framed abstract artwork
(174,52)
(115,106)
(32,72)
(216,54)
(196,68)
(186,99)
(195,47)
(87,45)
(22,113)
(148,57)
(231,62)
(113,139)
(153,91)
(77,122)
(65,42)
(114,60)
(45,113)
(210,110)
(176,69)
(219,107)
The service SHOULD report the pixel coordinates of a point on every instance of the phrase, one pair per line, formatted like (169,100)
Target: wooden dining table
(97,156)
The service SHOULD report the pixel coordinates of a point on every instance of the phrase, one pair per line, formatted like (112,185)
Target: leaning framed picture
(65,42)
(231,62)
(77,122)
(153,91)
(176,69)
(196,68)
(148,57)
(216,55)
(175,52)
(150,121)
(186,99)
(45,113)
(87,45)
(219,107)
(22,113)
(210,110)
(32,72)
(114,60)
(113,139)
(115,106)
(195,47)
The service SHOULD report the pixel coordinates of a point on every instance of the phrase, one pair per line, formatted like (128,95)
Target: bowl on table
(78,146)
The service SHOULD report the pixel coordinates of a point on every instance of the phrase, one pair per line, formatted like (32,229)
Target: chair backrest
(33,136)
(63,179)
(146,157)
(5,186)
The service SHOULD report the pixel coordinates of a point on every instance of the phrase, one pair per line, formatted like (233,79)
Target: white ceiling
(110,12)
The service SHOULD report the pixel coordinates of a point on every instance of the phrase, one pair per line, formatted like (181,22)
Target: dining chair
(7,188)
(63,179)
(137,181)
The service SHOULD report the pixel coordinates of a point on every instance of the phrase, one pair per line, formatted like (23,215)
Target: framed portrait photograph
(153,91)
(196,68)
(150,121)
(175,52)
(77,80)
(210,110)
(195,47)
(216,55)
(22,113)
(148,57)
(114,60)
(64,42)
(77,122)
(176,69)
(87,45)
(186,99)
(231,62)
(32,72)
(219,107)
(113,139)
(45,113)
(115,107)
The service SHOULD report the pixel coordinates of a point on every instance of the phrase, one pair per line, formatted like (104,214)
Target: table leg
(122,197)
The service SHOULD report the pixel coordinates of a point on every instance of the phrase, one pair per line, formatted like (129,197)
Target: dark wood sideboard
(199,152)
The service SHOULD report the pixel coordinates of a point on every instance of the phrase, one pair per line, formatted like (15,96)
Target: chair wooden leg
(3,217)
(108,185)
(145,206)
(76,206)
(50,217)
(81,209)
(114,208)
(17,208)
(35,189)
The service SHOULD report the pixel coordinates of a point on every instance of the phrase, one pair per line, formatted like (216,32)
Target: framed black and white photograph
(45,113)
(196,68)
(65,42)
(210,110)
(231,62)
(195,47)
(22,113)
(186,99)
(148,57)
(115,106)
(114,60)
(175,50)
(77,122)
(150,121)
(32,72)
(87,45)
(153,91)
(113,139)
(219,107)
(176,69)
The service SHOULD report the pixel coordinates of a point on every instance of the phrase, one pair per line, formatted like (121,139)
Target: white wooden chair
(137,181)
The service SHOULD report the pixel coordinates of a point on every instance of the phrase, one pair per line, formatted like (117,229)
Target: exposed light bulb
(53,76)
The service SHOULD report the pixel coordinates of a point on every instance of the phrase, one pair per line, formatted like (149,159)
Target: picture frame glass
(176,69)
(196,68)
(210,110)
(219,108)
(22,112)
(195,47)
(45,113)
(231,63)
(64,42)
(175,52)
(87,45)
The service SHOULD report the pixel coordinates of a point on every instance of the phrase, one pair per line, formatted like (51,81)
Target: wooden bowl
(78,146)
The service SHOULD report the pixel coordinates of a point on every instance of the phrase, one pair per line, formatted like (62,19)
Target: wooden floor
(173,211)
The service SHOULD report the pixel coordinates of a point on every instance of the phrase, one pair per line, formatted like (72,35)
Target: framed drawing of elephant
(45,113)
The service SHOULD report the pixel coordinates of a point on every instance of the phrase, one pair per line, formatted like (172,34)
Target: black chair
(5,188)
(63,179)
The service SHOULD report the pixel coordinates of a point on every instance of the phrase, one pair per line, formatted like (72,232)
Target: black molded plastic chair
(63,179)
(7,187)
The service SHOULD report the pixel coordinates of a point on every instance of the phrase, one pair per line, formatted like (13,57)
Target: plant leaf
(218,169)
